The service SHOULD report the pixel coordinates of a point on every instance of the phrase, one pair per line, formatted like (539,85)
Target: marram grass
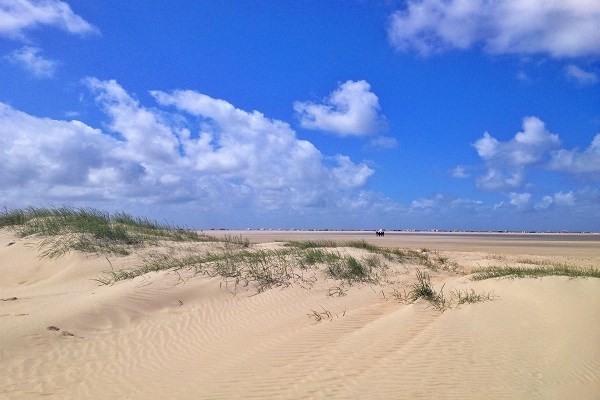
(535,272)
(90,230)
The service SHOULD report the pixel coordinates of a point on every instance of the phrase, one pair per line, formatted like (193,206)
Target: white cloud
(31,60)
(487,146)
(497,179)
(564,199)
(519,200)
(214,156)
(578,162)
(350,110)
(264,153)
(428,204)
(527,147)
(17,16)
(559,199)
(41,153)
(506,161)
(149,140)
(349,175)
(580,75)
(561,28)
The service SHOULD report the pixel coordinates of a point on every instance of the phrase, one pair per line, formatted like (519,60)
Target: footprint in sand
(63,333)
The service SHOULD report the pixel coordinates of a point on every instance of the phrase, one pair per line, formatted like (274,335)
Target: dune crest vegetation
(162,247)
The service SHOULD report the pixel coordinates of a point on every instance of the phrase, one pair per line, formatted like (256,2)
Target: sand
(170,335)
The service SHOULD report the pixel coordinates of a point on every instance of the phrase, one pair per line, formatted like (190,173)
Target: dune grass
(90,230)
(168,248)
(93,231)
(470,296)
(423,289)
(264,268)
(535,272)
(311,244)
(401,255)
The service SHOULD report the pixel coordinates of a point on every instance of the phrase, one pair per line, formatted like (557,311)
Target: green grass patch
(348,268)
(90,230)
(311,256)
(535,272)
(470,296)
(364,245)
(312,244)
(400,255)
(423,288)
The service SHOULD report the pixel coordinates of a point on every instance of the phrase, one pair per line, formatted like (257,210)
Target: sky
(338,114)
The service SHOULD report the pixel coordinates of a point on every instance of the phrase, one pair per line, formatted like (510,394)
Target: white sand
(157,337)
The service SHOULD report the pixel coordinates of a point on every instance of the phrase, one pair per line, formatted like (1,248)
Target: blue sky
(419,114)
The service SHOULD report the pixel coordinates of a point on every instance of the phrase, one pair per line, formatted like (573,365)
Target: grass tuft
(470,296)
(423,288)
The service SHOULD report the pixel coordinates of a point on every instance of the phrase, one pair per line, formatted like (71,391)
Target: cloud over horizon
(214,154)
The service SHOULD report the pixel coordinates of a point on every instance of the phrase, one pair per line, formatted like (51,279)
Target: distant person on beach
(380,232)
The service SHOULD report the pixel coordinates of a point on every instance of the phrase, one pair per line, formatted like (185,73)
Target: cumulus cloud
(585,162)
(350,110)
(148,138)
(263,152)
(17,16)
(564,199)
(39,154)
(567,28)
(30,59)
(506,161)
(205,152)
(519,200)
(581,76)
(527,147)
(559,199)
(497,179)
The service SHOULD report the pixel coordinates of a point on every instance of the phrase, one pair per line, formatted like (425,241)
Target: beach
(70,332)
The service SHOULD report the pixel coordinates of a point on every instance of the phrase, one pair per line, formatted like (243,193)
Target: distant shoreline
(553,244)
(499,234)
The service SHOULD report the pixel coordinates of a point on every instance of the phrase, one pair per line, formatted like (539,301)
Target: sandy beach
(180,334)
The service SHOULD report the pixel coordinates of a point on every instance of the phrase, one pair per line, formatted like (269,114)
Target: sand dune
(173,335)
